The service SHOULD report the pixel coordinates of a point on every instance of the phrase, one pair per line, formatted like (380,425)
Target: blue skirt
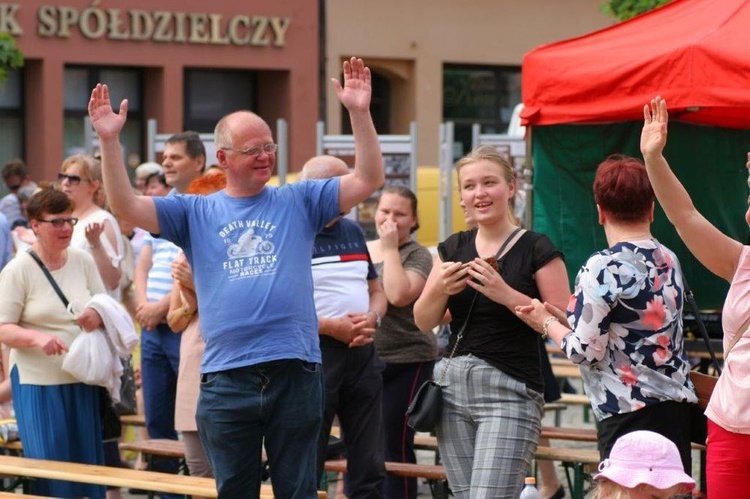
(60,423)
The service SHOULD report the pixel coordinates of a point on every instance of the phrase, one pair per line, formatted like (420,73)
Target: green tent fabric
(709,161)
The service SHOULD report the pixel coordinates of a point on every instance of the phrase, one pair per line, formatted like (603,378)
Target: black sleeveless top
(494,333)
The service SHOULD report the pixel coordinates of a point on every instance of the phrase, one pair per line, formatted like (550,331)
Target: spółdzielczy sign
(162,26)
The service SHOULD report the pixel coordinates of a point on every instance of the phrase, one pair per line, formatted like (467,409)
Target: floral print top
(626,315)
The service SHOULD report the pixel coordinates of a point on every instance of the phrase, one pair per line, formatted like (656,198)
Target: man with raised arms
(261,374)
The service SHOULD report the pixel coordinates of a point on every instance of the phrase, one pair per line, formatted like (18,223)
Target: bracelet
(377,317)
(545,326)
(94,246)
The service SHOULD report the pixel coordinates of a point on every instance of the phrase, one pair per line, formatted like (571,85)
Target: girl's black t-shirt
(494,333)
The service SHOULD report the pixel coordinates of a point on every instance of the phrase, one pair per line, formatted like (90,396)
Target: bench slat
(133,420)
(428,471)
(575,399)
(12,494)
(103,475)
(162,447)
(583,456)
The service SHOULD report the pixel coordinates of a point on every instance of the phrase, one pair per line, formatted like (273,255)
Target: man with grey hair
(349,302)
(249,247)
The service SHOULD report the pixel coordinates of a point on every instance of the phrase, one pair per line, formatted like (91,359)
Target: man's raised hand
(105,121)
(357,90)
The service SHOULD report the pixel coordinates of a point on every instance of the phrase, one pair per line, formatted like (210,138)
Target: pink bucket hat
(644,457)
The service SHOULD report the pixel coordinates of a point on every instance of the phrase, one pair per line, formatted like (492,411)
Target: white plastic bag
(89,359)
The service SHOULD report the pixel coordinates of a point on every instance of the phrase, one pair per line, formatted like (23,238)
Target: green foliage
(625,9)
(10,56)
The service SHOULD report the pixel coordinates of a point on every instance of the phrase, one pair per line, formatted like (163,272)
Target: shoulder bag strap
(51,279)
(507,244)
(742,330)
(503,249)
(701,326)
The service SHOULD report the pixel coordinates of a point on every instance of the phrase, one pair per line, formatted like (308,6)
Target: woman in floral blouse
(625,318)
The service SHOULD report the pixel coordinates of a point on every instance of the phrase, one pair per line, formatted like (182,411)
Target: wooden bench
(566,371)
(117,477)
(162,447)
(577,459)
(585,435)
(14,446)
(580,399)
(13,494)
(133,420)
(23,467)
(155,448)
(433,473)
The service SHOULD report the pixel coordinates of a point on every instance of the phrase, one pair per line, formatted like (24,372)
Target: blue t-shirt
(251,264)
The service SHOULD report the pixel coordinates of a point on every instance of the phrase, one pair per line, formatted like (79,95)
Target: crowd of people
(251,371)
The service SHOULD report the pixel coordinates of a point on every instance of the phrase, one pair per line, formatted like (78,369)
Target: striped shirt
(159,281)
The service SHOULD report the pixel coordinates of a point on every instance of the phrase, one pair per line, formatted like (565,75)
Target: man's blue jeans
(160,360)
(281,401)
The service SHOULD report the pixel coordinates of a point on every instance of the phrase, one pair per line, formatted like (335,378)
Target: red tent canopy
(694,53)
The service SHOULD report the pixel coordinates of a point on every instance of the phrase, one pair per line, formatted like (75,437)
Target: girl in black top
(493,386)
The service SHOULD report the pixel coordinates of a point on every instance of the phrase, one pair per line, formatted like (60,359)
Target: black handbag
(426,407)
(128,404)
(111,424)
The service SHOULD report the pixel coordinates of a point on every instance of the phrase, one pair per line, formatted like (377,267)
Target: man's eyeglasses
(59,222)
(73,179)
(269,148)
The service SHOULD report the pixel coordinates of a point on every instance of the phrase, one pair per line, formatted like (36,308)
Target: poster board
(399,162)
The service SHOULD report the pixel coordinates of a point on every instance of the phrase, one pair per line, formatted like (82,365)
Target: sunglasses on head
(73,179)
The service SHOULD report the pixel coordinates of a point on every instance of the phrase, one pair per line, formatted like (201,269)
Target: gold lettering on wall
(234,30)
(217,37)
(95,22)
(162,32)
(8,22)
(279,26)
(198,32)
(47,22)
(260,38)
(115,26)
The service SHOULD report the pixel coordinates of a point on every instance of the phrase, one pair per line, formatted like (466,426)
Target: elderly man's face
(249,132)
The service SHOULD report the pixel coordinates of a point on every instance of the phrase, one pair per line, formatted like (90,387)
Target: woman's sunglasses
(72,179)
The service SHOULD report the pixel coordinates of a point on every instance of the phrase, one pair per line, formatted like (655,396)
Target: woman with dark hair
(409,354)
(492,388)
(624,320)
(58,417)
